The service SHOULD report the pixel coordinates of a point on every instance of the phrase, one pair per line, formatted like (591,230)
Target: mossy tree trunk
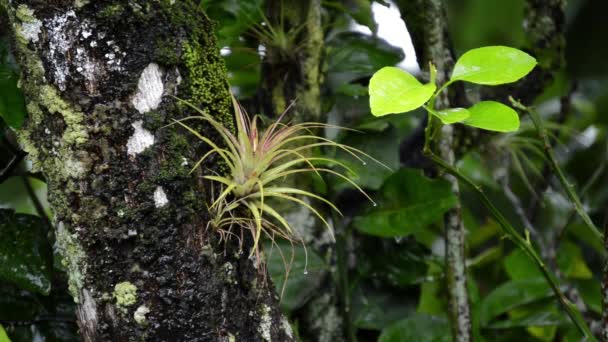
(130,219)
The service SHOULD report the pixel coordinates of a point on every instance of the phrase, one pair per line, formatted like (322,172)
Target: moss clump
(125,294)
(112,10)
(73,260)
(75,133)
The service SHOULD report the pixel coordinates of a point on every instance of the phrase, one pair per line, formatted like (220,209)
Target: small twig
(568,187)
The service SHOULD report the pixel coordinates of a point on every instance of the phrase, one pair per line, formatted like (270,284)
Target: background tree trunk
(429,30)
(130,220)
(294,74)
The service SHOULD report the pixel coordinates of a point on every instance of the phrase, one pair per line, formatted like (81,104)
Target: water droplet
(375,204)
(364,163)
(305,271)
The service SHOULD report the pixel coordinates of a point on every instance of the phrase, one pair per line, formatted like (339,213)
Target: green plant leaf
(492,65)
(511,295)
(354,55)
(519,266)
(451,115)
(399,265)
(305,275)
(24,251)
(493,116)
(3,335)
(376,307)
(537,319)
(12,103)
(571,262)
(418,327)
(392,90)
(409,202)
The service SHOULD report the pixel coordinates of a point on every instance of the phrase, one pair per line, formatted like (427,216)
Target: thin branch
(514,235)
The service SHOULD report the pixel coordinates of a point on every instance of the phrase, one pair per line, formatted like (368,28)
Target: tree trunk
(427,22)
(130,219)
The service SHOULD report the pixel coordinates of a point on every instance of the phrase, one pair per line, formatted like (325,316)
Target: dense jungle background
(394,272)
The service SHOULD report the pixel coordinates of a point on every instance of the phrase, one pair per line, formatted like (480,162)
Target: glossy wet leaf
(399,265)
(493,65)
(409,202)
(375,308)
(418,327)
(392,90)
(24,252)
(511,295)
(303,278)
(493,116)
(451,115)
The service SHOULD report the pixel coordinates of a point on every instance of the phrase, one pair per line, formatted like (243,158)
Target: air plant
(258,161)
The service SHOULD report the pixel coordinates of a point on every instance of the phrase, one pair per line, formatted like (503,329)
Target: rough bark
(427,23)
(130,220)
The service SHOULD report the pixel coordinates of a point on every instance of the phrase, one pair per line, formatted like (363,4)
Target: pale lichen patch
(30,27)
(140,315)
(265,323)
(160,197)
(140,140)
(150,89)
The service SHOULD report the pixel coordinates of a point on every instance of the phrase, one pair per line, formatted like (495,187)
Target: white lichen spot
(150,89)
(265,323)
(140,140)
(30,29)
(160,198)
(140,315)
(60,30)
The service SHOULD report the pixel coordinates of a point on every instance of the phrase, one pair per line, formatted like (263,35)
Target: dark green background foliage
(394,281)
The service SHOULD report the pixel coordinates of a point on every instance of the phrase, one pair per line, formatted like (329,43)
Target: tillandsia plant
(258,161)
(393,90)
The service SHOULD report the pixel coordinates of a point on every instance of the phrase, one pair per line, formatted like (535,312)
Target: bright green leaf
(418,327)
(24,251)
(3,335)
(493,116)
(305,273)
(493,65)
(409,202)
(392,90)
(451,115)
